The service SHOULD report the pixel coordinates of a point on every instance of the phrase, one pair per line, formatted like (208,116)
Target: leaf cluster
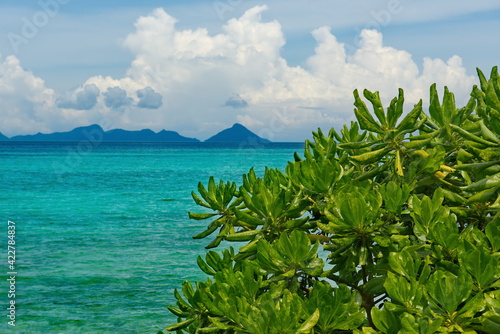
(390,225)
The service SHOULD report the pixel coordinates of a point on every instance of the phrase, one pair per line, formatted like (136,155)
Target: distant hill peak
(237,133)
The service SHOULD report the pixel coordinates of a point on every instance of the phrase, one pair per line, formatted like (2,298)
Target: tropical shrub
(390,225)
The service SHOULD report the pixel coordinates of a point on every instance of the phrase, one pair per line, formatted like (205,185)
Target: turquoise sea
(102,235)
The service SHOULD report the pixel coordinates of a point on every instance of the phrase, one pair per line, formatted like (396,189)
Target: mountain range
(237,133)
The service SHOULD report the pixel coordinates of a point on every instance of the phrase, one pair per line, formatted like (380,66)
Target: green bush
(405,209)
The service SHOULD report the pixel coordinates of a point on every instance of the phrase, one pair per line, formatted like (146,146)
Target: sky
(281,68)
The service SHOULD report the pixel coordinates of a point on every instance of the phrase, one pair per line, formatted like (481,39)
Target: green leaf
(394,196)
(405,263)
(200,216)
(358,144)
(216,242)
(386,321)
(181,302)
(449,106)
(204,266)
(478,166)
(199,201)
(482,79)
(243,236)
(421,325)
(177,311)
(339,307)
(484,195)
(448,290)
(405,292)
(485,183)
(309,323)
(248,218)
(487,133)
(467,135)
(395,109)
(490,322)
(435,108)
(370,157)
(492,231)
(410,120)
(445,232)
(482,266)
(210,229)
(364,117)
(375,286)
(354,210)
(181,325)
(374,98)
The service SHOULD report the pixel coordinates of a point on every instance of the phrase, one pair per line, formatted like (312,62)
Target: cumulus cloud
(149,99)
(116,98)
(26,103)
(246,58)
(84,99)
(194,71)
(236,102)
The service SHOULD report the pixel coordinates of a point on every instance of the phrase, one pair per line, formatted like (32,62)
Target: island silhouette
(236,133)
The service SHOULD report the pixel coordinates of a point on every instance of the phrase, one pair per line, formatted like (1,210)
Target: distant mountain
(145,135)
(77,134)
(237,133)
(95,132)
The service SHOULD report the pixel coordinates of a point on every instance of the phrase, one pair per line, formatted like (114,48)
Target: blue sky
(281,68)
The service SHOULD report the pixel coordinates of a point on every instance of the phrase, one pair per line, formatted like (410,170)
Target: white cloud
(189,75)
(236,101)
(26,104)
(149,99)
(378,67)
(116,98)
(83,99)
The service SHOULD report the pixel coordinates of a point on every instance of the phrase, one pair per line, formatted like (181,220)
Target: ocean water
(102,236)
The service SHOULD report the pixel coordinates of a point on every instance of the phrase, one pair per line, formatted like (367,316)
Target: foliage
(406,210)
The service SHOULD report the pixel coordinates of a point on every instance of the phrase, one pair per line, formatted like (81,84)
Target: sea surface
(102,236)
